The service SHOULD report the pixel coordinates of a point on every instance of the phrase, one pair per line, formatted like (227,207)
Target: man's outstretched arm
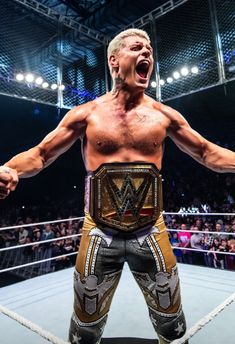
(191,142)
(31,162)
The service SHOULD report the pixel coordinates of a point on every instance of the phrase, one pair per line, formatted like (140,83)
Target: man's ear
(114,63)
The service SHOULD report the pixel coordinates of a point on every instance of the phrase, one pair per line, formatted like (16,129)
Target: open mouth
(142,68)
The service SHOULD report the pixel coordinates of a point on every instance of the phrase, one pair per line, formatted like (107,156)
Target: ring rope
(82,217)
(194,214)
(32,326)
(41,223)
(205,320)
(202,232)
(40,242)
(77,235)
(73,253)
(37,262)
(200,250)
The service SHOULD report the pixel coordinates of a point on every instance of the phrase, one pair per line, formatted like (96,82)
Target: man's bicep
(56,143)
(71,127)
(185,137)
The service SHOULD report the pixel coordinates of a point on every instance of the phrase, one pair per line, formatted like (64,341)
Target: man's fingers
(8,179)
(4,192)
(14,181)
(3,184)
(5,178)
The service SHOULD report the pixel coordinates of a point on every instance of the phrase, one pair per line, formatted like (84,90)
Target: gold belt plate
(126,197)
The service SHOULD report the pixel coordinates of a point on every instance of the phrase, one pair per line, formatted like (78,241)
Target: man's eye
(135,48)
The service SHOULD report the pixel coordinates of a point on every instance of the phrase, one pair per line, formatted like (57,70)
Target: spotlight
(53,86)
(162,82)
(184,71)
(29,77)
(169,80)
(61,87)
(19,77)
(176,75)
(153,84)
(39,80)
(45,84)
(194,70)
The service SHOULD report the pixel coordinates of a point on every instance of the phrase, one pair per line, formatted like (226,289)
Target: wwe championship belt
(125,197)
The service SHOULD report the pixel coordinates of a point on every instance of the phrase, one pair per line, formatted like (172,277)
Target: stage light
(162,82)
(231,69)
(169,80)
(194,70)
(184,71)
(153,84)
(54,86)
(45,84)
(61,87)
(39,80)
(29,77)
(176,75)
(19,77)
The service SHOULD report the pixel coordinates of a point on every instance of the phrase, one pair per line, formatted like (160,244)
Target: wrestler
(123,220)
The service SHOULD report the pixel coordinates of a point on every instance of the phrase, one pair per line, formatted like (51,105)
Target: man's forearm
(27,164)
(219,159)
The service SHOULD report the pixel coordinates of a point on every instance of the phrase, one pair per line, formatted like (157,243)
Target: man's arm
(191,142)
(31,162)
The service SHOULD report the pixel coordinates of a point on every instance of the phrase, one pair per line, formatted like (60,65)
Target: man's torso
(114,135)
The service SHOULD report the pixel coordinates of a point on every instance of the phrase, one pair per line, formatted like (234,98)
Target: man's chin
(142,84)
(139,84)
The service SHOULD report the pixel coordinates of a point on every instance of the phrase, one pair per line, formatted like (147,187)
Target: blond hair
(117,42)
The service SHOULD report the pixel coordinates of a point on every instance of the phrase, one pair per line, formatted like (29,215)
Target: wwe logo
(128,199)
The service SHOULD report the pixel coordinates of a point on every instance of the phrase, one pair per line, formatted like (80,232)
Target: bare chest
(139,130)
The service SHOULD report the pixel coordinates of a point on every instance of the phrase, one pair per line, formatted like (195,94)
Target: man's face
(135,62)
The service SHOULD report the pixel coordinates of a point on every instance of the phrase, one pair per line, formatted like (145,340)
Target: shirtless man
(122,134)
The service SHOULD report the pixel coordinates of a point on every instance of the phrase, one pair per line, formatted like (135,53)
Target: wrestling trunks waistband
(124,196)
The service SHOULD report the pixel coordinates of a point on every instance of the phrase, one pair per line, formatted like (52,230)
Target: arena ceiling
(108,16)
(65,42)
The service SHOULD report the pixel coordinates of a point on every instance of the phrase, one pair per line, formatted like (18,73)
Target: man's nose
(146,52)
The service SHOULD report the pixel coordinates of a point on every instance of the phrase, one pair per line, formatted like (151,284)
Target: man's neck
(124,96)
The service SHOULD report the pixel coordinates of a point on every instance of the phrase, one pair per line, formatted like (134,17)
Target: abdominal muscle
(94,159)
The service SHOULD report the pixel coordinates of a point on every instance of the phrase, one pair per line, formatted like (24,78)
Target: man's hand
(8,181)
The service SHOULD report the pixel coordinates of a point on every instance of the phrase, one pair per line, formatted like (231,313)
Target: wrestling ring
(47,301)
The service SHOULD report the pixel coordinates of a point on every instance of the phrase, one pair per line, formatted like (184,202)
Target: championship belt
(125,196)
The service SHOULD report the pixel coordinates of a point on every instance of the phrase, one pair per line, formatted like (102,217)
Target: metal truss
(71,23)
(156,13)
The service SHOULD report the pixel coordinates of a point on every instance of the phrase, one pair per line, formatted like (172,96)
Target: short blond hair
(117,42)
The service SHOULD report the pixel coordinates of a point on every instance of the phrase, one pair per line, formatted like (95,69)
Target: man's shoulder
(158,105)
(149,101)
(91,105)
(83,108)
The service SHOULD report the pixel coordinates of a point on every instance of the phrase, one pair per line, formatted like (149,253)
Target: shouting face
(133,63)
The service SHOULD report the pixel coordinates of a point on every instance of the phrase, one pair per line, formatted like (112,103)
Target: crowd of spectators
(207,245)
(66,234)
